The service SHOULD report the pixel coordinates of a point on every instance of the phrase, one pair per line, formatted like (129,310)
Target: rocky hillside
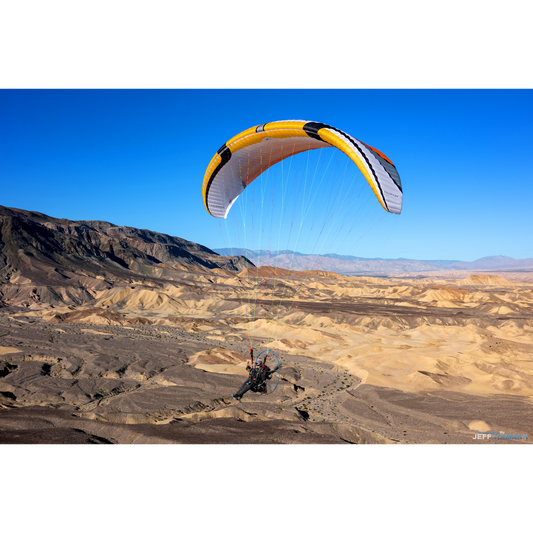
(60,256)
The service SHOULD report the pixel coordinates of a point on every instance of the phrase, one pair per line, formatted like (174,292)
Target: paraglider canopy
(244,157)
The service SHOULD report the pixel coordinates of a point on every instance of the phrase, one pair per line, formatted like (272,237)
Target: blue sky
(137,158)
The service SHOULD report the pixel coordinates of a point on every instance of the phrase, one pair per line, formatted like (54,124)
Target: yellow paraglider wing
(244,157)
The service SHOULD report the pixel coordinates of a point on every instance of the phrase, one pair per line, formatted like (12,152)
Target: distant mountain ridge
(351,265)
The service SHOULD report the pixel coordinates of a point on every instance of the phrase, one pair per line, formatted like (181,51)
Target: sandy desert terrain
(364,360)
(112,334)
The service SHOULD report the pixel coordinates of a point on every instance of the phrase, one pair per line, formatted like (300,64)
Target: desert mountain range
(350,265)
(121,335)
(63,260)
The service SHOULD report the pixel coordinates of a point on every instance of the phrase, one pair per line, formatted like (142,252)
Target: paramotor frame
(270,359)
